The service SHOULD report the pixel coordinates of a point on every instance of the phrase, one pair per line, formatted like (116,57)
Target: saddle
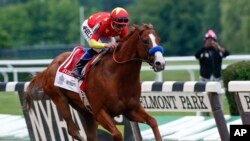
(65,79)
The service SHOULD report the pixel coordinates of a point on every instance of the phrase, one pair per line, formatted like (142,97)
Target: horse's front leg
(140,115)
(107,122)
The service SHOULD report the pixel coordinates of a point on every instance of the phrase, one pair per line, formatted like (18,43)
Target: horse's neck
(126,53)
(128,49)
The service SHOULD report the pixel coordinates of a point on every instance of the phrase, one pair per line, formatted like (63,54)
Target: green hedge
(236,71)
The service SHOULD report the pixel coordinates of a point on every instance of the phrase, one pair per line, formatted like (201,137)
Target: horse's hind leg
(63,107)
(90,126)
(140,115)
(107,122)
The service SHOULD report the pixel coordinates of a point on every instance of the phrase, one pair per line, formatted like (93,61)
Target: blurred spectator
(210,57)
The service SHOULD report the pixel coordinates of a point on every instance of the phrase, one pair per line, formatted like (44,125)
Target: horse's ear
(150,26)
(135,26)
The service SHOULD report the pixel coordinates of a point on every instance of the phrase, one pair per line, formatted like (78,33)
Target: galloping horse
(112,88)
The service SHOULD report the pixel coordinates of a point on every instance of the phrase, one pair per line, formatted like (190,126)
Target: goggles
(121,20)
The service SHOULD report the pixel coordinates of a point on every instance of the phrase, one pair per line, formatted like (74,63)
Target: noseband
(148,53)
(145,44)
(151,51)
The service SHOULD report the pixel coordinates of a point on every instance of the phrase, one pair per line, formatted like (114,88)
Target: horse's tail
(34,90)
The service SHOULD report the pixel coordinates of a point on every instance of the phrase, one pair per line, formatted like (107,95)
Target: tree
(4,40)
(36,22)
(235,25)
(12,22)
(55,22)
(179,23)
(211,16)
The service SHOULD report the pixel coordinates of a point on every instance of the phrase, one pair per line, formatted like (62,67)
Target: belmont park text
(175,102)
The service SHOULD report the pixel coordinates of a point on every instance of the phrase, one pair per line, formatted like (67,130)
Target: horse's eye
(145,42)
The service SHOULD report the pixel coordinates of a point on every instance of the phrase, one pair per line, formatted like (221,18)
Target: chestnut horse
(112,88)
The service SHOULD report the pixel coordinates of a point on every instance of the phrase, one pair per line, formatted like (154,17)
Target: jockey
(99,31)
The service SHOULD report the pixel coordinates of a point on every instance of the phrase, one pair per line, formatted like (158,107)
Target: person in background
(210,57)
(99,31)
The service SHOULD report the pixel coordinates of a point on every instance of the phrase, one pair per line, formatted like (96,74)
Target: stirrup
(80,77)
(75,74)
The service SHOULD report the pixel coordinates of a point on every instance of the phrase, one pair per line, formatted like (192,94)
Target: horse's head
(148,48)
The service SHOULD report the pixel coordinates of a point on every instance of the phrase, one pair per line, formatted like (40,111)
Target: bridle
(148,59)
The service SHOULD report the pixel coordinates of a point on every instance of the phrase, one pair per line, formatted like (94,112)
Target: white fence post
(241,91)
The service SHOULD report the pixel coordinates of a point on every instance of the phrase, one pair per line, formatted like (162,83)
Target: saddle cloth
(64,78)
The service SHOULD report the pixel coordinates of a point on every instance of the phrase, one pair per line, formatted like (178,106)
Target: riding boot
(78,68)
(82,62)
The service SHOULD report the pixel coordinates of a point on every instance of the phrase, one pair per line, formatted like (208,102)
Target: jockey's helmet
(119,16)
(211,34)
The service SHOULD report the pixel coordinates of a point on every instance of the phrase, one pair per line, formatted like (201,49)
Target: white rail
(33,66)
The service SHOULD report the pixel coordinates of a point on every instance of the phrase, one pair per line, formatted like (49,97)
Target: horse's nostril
(158,66)
(157,63)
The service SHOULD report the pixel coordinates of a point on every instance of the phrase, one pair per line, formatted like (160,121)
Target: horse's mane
(135,28)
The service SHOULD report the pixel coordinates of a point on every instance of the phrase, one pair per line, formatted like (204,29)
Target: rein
(140,59)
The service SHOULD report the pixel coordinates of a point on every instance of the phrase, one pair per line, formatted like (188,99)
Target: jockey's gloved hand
(111,45)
